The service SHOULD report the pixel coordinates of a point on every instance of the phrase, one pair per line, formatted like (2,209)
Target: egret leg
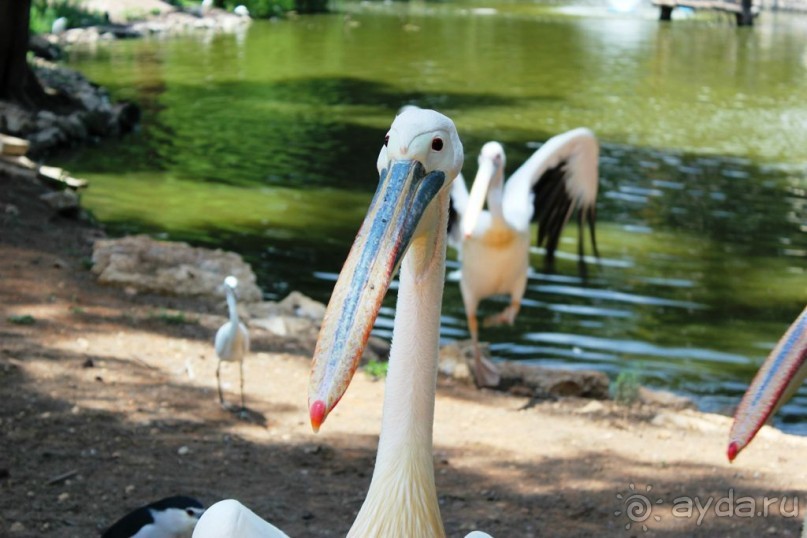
(508,315)
(241,368)
(218,382)
(486,374)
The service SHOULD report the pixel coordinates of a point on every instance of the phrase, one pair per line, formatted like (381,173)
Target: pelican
(777,380)
(232,339)
(405,225)
(494,250)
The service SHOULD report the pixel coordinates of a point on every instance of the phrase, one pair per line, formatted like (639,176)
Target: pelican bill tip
(733,450)
(318,412)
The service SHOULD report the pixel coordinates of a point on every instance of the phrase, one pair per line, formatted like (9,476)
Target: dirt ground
(108,401)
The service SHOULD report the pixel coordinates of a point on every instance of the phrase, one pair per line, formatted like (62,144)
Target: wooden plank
(60,176)
(11,145)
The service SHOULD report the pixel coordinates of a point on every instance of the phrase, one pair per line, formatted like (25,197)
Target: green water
(265,143)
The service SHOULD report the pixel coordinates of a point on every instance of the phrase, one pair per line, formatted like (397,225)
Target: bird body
(232,338)
(59,26)
(171,517)
(406,223)
(495,243)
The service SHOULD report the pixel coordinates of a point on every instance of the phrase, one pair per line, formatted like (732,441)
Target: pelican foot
(486,374)
(505,317)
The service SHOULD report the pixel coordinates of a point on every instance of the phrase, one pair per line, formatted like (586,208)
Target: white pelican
(232,339)
(494,251)
(777,380)
(405,224)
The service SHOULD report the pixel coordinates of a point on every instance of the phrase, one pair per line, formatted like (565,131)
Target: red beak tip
(733,451)
(318,413)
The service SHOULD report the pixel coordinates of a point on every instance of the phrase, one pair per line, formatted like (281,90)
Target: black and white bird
(172,517)
(494,244)
(232,339)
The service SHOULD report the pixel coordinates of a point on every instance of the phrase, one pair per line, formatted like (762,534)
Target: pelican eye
(437,144)
(386,140)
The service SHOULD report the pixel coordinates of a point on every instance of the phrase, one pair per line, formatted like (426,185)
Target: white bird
(778,379)
(59,26)
(232,339)
(405,224)
(172,517)
(241,11)
(559,178)
(206,6)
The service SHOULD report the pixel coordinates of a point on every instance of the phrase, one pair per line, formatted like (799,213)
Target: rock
(663,398)
(295,304)
(288,326)
(591,407)
(46,138)
(452,363)
(17,528)
(65,201)
(526,379)
(171,268)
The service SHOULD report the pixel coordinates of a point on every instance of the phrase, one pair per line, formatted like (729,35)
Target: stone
(65,201)
(526,379)
(171,268)
(664,398)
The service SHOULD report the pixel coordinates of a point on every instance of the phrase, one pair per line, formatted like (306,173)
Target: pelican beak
(777,380)
(479,191)
(404,191)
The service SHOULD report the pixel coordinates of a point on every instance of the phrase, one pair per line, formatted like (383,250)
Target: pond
(264,142)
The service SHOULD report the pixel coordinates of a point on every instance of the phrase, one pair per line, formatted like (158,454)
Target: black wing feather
(552,208)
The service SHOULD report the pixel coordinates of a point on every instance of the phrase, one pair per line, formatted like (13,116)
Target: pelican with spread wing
(559,178)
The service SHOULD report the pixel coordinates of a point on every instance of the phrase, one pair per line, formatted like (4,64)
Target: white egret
(232,339)
(172,517)
(559,178)
(778,379)
(405,224)
(241,11)
(59,26)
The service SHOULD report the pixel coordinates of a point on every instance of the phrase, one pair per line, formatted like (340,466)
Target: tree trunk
(17,81)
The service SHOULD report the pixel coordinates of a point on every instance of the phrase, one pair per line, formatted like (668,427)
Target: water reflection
(265,144)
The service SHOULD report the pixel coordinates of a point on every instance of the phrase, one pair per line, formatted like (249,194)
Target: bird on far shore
(171,517)
(494,244)
(232,339)
(777,380)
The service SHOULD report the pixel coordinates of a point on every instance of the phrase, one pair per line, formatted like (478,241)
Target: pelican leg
(486,374)
(508,315)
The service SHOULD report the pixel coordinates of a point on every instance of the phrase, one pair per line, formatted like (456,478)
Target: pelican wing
(559,178)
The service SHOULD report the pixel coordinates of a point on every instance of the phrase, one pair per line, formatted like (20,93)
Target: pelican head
(421,155)
(231,282)
(490,174)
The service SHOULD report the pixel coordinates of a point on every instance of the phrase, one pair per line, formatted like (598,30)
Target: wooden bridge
(744,10)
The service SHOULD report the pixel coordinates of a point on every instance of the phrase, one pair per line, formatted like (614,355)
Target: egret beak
(777,380)
(404,191)
(479,191)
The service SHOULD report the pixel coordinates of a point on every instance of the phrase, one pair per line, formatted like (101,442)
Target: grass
(376,369)
(44,12)
(625,388)
(172,318)
(24,319)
